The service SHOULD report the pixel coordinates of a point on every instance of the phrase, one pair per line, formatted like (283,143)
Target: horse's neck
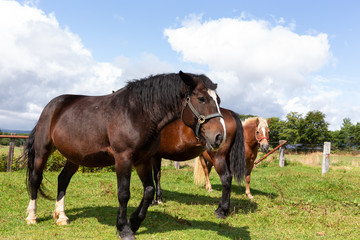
(168,118)
(249,131)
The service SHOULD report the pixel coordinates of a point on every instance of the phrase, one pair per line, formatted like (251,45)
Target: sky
(269,58)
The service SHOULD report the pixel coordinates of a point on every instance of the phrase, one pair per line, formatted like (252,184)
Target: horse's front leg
(247,180)
(225,176)
(63,182)
(145,173)
(123,174)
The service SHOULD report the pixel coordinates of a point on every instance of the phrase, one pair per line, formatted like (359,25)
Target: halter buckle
(201,119)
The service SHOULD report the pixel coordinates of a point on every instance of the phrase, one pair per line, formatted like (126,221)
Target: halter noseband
(201,118)
(260,139)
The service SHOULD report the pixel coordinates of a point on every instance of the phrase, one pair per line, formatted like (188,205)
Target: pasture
(294,202)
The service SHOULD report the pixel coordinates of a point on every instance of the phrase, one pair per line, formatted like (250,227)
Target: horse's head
(201,111)
(262,133)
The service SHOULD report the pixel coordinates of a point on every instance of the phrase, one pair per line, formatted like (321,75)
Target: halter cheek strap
(201,118)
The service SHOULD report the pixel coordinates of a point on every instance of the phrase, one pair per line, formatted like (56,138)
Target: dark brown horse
(179,143)
(122,128)
(256,134)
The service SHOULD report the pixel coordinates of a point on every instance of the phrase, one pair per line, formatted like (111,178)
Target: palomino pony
(256,133)
(122,128)
(178,142)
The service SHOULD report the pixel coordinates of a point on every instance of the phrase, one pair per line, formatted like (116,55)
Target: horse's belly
(181,154)
(98,159)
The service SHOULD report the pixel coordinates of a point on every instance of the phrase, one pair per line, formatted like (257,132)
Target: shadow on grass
(239,206)
(241,190)
(156,222)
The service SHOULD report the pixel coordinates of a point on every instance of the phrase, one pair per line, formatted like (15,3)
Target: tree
(291,129)
(276,126)
(313,129)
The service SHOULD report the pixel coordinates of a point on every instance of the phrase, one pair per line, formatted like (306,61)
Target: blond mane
(253,120)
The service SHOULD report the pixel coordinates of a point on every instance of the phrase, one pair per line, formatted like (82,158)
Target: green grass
(5,150)
(294,202)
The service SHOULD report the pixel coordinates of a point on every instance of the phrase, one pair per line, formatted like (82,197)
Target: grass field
(294,202)
(5,150)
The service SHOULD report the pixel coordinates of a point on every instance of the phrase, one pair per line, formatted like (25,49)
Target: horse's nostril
(218,139)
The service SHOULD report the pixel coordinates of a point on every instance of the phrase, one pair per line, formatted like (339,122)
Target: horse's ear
(188,80)
(268,121)
(257,121)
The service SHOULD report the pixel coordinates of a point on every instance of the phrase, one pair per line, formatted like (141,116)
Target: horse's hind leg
(157,176)
(35,175)
(207,165)
(63,181)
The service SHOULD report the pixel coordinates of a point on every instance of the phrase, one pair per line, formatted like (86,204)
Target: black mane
(160,94)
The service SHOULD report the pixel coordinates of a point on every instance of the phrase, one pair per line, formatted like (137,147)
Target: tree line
(311,131)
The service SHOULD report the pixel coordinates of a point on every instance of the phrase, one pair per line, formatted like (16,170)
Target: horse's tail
(29,156)
(237,151)
(199,176)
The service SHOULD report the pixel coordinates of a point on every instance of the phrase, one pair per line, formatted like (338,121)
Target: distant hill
(15,131)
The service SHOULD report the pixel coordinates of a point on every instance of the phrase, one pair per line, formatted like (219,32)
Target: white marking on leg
(59,214)
(31,212)
(213,96)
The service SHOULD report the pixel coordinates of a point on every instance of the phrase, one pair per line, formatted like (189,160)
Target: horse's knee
(226,180)
(123,197)
(149,193)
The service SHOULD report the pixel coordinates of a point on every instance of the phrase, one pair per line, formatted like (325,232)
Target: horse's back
(76,125)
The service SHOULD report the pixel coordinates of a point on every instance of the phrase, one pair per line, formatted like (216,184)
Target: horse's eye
(201,99)
(257,132)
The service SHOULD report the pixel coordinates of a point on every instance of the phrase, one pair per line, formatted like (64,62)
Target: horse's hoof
(210,190)
(31,221)
(157,202)
(62,222)
(220,213)
(249,196)
(128,238)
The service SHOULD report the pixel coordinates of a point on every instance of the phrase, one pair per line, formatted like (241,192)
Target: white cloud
(40,60)
(147,64)
(261,68)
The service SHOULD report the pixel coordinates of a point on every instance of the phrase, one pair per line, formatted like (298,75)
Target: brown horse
(256,133)
(179,143)
(122,128)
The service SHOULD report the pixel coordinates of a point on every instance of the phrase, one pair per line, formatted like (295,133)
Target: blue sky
(268,57)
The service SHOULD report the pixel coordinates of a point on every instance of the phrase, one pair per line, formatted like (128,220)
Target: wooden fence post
(177,165)
(326,157)
(282,154)
(11,154)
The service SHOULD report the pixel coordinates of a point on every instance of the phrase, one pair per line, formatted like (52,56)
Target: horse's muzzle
(264,147)
(215,141)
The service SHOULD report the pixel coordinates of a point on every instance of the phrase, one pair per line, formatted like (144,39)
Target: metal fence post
(282,154)
(326,157)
